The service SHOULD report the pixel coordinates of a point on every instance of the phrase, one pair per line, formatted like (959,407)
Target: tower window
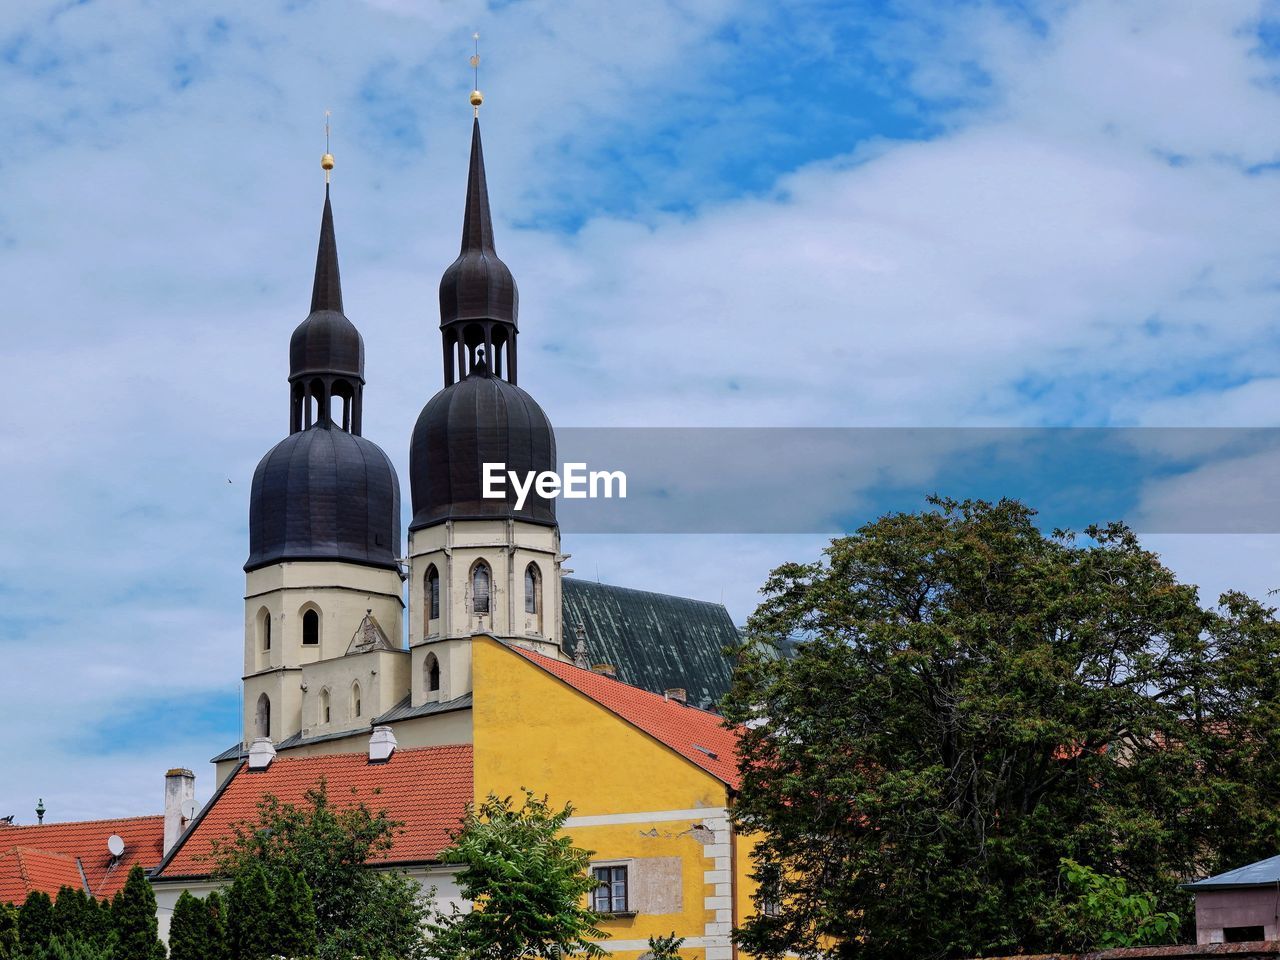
(262,717)
(356,707)
(432,670)
(324,705)
(432,591)
(480,581)
(310,628)
(531,588)
(265,620)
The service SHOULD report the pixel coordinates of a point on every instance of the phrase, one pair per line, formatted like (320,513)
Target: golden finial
(477,97)
(326,162)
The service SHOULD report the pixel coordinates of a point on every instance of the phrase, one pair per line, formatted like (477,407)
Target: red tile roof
(48,847)
(697,735)
(23,871)
(426,789)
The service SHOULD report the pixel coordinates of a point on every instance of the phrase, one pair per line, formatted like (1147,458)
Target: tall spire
(478,296)
(477,222)
(326,294)
(326,352)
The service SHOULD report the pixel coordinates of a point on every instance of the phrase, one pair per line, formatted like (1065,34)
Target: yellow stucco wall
(635,800)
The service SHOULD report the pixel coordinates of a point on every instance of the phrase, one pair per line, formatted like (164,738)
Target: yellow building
(651,781)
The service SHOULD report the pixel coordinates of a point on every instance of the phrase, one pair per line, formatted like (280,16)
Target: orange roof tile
(23,871)
(84,844)
(697,735)
(425,788)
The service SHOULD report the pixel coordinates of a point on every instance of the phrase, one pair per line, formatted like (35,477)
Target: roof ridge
(630,686)
(361,755)
(652,593)
(21,848)
(545,663)
(74,823)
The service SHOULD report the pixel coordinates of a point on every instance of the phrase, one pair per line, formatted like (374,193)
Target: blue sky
(720,213)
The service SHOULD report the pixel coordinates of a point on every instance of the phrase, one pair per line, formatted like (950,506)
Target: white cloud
(1042,261)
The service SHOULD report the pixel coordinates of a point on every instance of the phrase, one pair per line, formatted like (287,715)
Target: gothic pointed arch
(264,629)
(262,716)
(431,593)
(431,675)
(310,614)
(481,583)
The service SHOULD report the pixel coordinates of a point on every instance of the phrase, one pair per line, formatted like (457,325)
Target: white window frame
(628,909)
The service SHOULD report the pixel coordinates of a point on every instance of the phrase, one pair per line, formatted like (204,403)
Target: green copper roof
(653,640)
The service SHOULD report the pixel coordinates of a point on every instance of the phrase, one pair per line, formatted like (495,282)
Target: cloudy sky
(720,213)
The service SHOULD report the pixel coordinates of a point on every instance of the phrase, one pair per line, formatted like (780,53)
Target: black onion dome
(326,342)
(478,285)
(324,494)
(480,419)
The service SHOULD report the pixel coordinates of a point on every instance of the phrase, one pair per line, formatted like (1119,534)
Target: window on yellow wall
(770,879)
(610,894)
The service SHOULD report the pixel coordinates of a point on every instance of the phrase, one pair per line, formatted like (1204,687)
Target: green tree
(216,916)
(79,917)
(8,931)
(966,702)
(295,917)
(358,911)
(35,921)
(197,930)
(251,926)
(664,948)
(1104,913)
(528,884)
(70,948)
(133,916)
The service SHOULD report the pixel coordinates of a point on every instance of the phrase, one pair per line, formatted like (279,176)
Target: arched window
(531,579)
(264,627)
(431,669)
(324,705)
(356,709)
(262,717)
(480,580)
(310,628)
(431,593)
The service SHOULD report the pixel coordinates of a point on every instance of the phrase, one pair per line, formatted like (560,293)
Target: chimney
(381,745)
(179,799)
(677,694)
(605,670)
(261,752)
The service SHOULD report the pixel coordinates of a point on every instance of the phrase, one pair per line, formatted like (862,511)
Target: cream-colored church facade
(323,684)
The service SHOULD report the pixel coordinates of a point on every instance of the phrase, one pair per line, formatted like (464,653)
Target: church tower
(324,595)
(478,565)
